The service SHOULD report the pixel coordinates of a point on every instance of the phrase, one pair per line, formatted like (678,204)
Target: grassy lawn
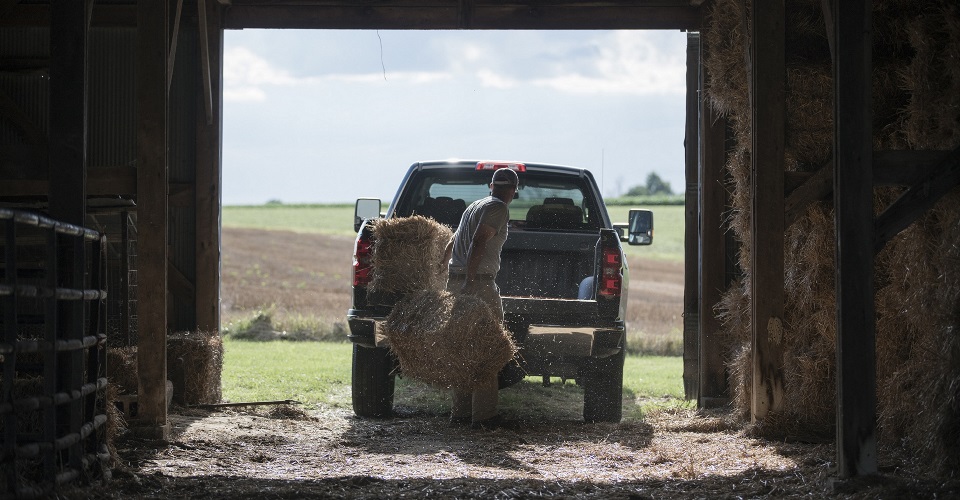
(318,373)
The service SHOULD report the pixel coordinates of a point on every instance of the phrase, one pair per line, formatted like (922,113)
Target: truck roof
(460,163)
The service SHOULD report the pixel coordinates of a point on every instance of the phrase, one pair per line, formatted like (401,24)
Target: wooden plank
(205,58)
(38,16)
(174,38)
(768,110)
(917,199)
(208,194)
(491,14)
(115,181)
(691,305)
(152,178)
(904,168)
(712,250)
(818,187)
(853,199)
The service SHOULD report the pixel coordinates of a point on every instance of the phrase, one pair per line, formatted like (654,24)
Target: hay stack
(200,356)
(122,369)
(448,341)
(407,255)
(916,99)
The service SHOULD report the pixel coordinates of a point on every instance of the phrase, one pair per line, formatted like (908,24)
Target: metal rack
(52,354)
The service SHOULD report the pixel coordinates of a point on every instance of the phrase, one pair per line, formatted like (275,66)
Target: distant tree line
(654,186)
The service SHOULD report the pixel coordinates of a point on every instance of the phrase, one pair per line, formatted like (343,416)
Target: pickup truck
(563,278)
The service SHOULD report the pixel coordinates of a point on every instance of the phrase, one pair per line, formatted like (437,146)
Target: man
(474,254)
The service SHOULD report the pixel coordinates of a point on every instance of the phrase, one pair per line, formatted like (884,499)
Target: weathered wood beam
(768,110)
(115,181)
(174,37)
(691,304)
(905,168)
(179,284)
(489,14)
(38,15)
(205,70)
(208,172)
(853,201)
(817,186)
(712,249)
(152,218)
(919,198)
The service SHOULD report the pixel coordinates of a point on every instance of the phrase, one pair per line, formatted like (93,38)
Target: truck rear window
(546,201)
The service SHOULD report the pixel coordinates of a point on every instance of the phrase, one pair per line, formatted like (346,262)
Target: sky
(327,116)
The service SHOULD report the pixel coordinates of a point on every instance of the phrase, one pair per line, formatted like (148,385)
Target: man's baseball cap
(505,177)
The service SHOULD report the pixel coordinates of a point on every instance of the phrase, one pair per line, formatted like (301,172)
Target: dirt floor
(285,452)
(325,452)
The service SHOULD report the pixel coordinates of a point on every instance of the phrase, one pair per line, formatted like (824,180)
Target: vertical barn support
(208,176)
(691,304)
(853,198)
(712,251)
(767,73)
(152,216)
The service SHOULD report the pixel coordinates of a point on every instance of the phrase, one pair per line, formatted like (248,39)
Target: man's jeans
(481,403)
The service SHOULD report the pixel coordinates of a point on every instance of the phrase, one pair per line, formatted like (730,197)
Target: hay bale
(199,356)
(448,341)
(408,255)
(122,369)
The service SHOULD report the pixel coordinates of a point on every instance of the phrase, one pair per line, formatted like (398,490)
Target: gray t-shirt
(492,212)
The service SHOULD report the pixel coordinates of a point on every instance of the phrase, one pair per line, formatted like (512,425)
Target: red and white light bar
(495,165)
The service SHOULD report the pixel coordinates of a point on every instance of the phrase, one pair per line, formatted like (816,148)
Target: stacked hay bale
(444,340)
(197,359)
(916,98)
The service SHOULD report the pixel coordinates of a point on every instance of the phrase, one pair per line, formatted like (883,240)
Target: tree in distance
(654,185)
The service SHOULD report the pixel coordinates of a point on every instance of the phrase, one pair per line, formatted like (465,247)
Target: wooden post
(68,198)
(713,249)
(853,198)
(691,306)
(768,109)
(209,132)
(152,96)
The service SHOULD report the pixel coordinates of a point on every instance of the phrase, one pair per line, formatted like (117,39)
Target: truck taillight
(611,276)
(361,261)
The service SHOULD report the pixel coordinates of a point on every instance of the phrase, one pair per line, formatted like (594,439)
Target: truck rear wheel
(602,380)
(373,380)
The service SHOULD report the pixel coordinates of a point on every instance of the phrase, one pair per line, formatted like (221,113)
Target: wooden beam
(917,199)
(817,187)
(174,37)
(905,168)
(205,59)
(208,174)
(114,181)
(691,305)
(853,200)
(768,109)
(13,114)
(38,16)
(712,250)
(152,178)
(488,14)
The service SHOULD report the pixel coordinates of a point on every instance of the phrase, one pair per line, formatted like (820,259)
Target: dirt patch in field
(291,453)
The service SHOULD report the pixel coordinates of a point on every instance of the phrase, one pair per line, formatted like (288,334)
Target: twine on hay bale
(407,255)
(448,341)
(200,356)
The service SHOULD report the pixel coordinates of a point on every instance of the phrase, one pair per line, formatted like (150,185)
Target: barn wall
(915,99)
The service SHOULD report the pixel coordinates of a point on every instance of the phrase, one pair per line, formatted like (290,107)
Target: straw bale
(448,341)
(202,361)
(122,369)
(407,255)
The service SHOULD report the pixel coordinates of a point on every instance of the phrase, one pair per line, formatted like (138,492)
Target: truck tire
(603,388)
(373,379)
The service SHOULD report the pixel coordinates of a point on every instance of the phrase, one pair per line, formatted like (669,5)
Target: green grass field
(338,219)
(318,373)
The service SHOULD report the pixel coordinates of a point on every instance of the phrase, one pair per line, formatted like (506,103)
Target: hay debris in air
(448,341)
(407,255)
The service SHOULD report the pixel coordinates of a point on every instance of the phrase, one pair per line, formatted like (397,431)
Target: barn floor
(285,452)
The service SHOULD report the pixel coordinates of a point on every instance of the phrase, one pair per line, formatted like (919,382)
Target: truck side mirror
(366,208)
(640,227)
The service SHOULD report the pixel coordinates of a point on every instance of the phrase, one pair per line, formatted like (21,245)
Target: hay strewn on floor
(447,341)
(407,255)
(200,356)
(916,105)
